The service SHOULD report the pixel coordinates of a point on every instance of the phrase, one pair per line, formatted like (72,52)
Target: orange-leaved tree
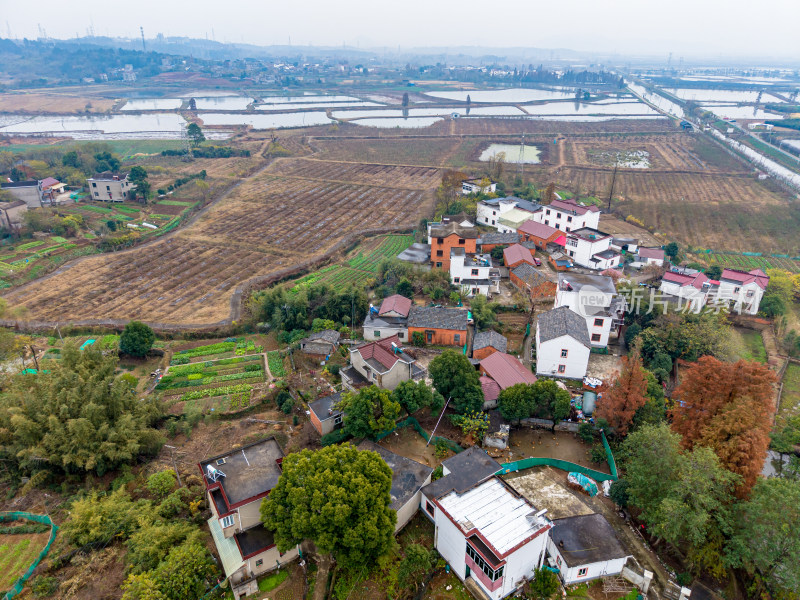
(727,407)
(628,394)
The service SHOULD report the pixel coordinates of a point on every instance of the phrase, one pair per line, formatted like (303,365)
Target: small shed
(321,344)
(324,415)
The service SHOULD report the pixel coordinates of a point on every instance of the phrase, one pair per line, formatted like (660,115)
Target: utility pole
(174,465)
(33,353)
(144,48)
(613,181)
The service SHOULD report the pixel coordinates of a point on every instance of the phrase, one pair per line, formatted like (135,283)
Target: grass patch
(96,209)
(273,580)
(128,209)
(790,399)
(176,203)
(754,347)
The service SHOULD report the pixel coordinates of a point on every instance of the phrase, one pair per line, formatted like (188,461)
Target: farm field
(221,376)
(274,223)
(748,263)
(17,553)
(721,212)
(39,102)
(790,399)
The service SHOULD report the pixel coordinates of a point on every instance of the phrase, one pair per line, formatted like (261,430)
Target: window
(562,368)
(401,334)
(227,521)
(108,187)
(377,333)
(582,572)
(259,562)
(558,226)
(94,184)
(457,338)
(494,213)
(567,229)
(475,272)
(440,253)
(460,242)
(456,279)
(572,253)
(736,290)
(546,222)
(595,337)
(221,461)
(337,420)
(572,242)
(492,221)
(439,241)
(97,194)
(569,219)
(429,508)
(558,215)
(483,565)
(598,322)
(547,212)
(564,353)
(438,264)
(429,336)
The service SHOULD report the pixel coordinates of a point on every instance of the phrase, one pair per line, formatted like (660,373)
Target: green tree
(186,572)
(772,306)
(337,497)
(318,325)
(137,339)
(78,417)
(418,339)
(714,272)
(416,562)
(413,396)
(482,312)
(138,177)
(767,537)
(549,400)
(142,586)
(161,484)
(97,518)
(149,545)
(671,251)
(543,586)
(516,402)
(455,378)
(369,412)
(405,288)
(195,134)
(631,333)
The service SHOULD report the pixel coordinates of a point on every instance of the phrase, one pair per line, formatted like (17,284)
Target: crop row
(201,367)
(390,247)
(276,364)
(217,391)
(747,263)
(207,350)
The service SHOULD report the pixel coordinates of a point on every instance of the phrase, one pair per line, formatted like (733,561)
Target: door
(466,572)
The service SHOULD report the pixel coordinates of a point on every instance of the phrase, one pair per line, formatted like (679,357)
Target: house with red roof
(382,363)
(541,234)
(388,320)
(516,255)
(505,371)
(568,215)
(690,287)
(743,289)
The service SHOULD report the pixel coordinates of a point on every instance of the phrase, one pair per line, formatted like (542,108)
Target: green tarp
(13,516)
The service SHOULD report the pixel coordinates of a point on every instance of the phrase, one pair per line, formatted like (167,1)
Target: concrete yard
(547,488)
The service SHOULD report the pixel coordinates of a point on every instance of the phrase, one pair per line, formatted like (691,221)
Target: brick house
(236,482)
(323,414)
(439,326)
(527,279)
(541,234)
(486,343)
(446,237)
(516,255)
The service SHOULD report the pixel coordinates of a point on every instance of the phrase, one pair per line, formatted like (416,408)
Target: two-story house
(742,289)
(236,482)
(444,238)
(591,248)
(595,299)
(110,187)
(690,288)
(568,215)
(382,363)
(473,273)
(490,211)
(391,318)
(490,535)
(562,344)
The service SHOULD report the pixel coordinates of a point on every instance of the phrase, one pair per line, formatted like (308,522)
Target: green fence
(13,516)
(527,463)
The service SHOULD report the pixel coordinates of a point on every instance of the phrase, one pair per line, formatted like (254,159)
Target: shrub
(193,376)
(334,437)
(161,484)
(136,339)
(418,338)
(586,432)
(598,453)
(44,586)
(288,405)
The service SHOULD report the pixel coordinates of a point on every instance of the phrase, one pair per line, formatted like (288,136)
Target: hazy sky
(690,28)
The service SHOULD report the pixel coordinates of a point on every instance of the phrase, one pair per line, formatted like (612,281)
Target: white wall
(522,563)
(581,250)
(573,299)
(450,542)
(690,294)
(459,272)
(593,570)
(567,221)
(489,215)
(379,333)
(748,296)
(548,357)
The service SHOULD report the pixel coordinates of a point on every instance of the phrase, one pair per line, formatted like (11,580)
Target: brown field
(35,102)
(722,212)
(268,225)
(434,151)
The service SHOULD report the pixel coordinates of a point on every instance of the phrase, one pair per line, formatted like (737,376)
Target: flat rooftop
(408,476)
(503,518)
(547,488)
(249,471)
(575,282)
(323,407)
(586,539)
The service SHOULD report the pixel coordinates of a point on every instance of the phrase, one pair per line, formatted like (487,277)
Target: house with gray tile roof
(439,326)
(562,344)
(489,339)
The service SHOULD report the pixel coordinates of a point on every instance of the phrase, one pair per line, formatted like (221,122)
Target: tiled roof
(491,391)
(485,339)
(656,253)
(516,253)
(758,276)
(496,237)
(574,207)
(324,407)
(529,275)
(48,181)
(408,476)
(380,352)
(438,318)
(562,321)
(397,303)
(506,370)
(537,229)
(575,282)
(442,231)
(586,539)
(327,335)
(684,280)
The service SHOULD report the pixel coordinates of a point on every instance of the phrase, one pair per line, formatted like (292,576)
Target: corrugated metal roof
(226,547)
(503,518)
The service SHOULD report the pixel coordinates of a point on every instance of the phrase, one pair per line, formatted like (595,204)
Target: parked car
(537,262)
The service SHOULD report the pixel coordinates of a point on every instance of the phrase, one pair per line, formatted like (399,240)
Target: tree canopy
(137,339)
(455,377)
(78,417)
(627,395)
(413,396)
(337,497)
(369,412)
(195,134)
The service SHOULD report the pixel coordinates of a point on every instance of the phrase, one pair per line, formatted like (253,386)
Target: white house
(490,212)
(591,248)
(568,215)
(473,273)
(692,289)
(595,299)
(562,344)
(583,548)
(478,186)
(743,289)
(650,256)
(492,537)
(109,187)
